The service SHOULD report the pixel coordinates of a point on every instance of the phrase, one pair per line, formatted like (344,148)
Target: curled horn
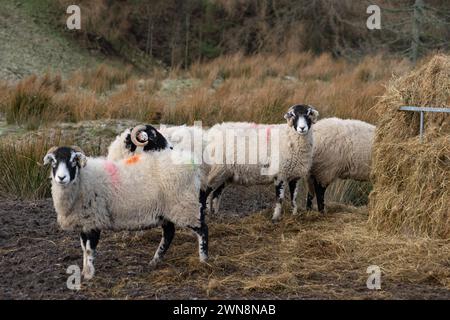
(52,150)
(77,149)
(134,134)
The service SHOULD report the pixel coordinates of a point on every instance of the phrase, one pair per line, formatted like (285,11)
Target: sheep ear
(313,114)
(80,159)
(79,156)
(289,116)
(50,156)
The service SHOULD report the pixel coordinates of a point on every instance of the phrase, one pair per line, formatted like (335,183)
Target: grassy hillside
(33,42)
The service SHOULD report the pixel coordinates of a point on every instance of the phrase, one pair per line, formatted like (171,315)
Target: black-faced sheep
(289,161)
(146,190)
(146,138)
(149,139)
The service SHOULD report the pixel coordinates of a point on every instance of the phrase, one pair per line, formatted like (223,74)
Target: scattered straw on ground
(310,256)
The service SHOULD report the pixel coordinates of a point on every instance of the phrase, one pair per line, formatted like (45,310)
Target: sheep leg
(217,179)
(203,198)
(215,199)
(202,231)
(202,235)
(309,198)
(89,241)
(167,237)
(279,191)
(320,195)
(293,188)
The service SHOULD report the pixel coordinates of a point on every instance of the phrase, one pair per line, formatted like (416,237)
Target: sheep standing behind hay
(342,150)
(294,154)
(146,190)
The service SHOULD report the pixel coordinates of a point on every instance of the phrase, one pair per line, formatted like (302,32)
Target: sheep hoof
(276,220)
(295,211)
(203,258)
(88,273)
(215,208)
(153,263)
(277,213)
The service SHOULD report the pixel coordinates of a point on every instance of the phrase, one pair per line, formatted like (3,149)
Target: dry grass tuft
(30,103)
(411,179)
(22,172)
(101,79)
(230,88)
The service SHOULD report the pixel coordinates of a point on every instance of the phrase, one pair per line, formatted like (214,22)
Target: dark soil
(35,254)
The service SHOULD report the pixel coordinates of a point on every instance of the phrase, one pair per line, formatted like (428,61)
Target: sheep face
(155,140)
(66,163)
(300,117)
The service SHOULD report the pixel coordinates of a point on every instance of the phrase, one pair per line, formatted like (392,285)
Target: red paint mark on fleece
(268,130)
(113,172)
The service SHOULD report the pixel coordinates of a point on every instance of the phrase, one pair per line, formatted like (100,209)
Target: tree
(415,29)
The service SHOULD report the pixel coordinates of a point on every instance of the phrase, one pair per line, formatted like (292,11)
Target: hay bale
(411,191)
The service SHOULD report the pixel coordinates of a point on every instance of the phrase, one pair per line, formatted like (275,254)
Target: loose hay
(411,179)
(308,256)
(298,258)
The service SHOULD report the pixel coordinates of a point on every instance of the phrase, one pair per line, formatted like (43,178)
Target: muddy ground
(35,254)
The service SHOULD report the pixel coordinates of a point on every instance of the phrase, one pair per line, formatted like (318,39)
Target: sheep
(143,191)
(183,138)
(342,149)
(186,138)
(123,147)
(288,164)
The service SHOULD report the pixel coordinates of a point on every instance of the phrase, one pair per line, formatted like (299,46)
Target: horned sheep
(144,191)
(182,138)
(148,137)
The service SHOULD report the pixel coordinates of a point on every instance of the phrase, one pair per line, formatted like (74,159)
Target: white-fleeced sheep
(342,149)
(182,138)
(289,161)
(186,138)
(149,139)
(146,190)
